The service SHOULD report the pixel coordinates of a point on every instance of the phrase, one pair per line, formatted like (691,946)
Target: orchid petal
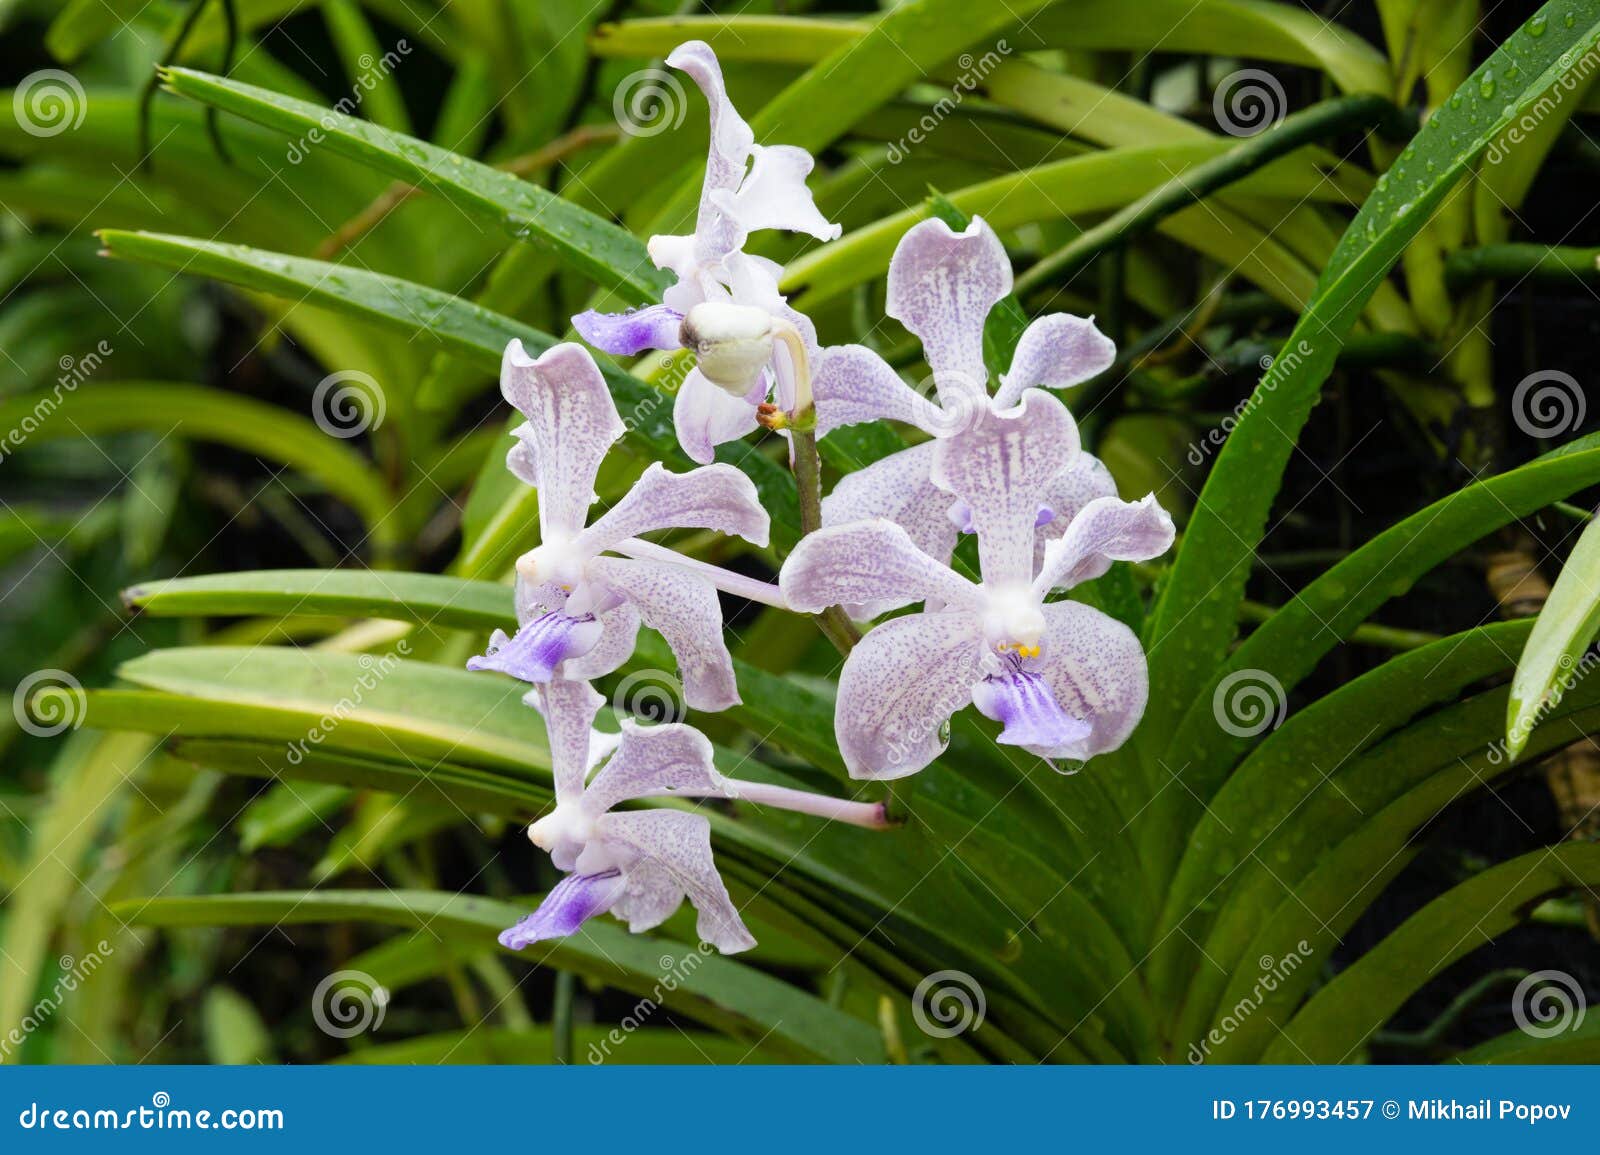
(573,901)
(683,607)
(1057,351)
(1073,488)
(864,562)
(625,334)
(1096,671)
(1021,700)
(650,898)
(942,285)
(706,417)
(900,685)
(569,710)
(853,384)
(572,424)
(619,634)
(1002,469)
(680,845)
(717,233)
(1107,529)
(539,647)
(774,195)
(715,497)
(655,761)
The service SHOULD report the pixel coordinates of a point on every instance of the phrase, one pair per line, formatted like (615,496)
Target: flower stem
(871,815)
(807,465)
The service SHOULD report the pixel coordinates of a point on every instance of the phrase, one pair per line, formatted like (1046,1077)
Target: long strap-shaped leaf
(1565,627)
(717,991)
(610,255)
(1341,1016)
(1196,617)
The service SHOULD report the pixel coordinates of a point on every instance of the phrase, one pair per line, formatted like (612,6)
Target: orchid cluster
(1065,681)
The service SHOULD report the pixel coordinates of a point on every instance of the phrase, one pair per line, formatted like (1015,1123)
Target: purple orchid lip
(539,647)
(1021,701)
(625,334)
(574,900)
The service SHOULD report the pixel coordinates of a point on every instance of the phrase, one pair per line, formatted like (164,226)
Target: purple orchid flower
(942,285)
(1065,680)
(720,288)
(639,864)
(579,608)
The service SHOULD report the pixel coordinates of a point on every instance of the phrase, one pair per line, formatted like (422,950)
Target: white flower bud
(731,343)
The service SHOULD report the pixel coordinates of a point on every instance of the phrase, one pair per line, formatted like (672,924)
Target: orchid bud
(732,343)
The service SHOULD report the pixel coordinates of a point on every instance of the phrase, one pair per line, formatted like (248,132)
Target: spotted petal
(716,233)
(683,607)
(619,634)
(1021,700)
(574,900)
(1002,469)
(1073,488)
(942,285)
(539,648)
(1096,672)
(853,384)
(572,424)
(715,497)
(1056,351)
(865,562)
(655,761)
(899,687)
(569,710)
(679,845)
(1108,529)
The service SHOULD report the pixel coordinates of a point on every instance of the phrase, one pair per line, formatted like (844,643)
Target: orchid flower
(725,305)
(641,864)
(1065,680)
(942,285)
(580,608)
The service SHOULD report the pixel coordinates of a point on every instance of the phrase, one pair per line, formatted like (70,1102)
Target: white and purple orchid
(1065,680)
(638,864)
(579,606)
(725,303)
(942,286)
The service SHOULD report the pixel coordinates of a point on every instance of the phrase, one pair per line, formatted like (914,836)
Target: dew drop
(1486,85)
(1536,25)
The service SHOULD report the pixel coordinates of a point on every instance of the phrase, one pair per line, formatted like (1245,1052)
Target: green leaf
(613,257)
(591,1044)
(1360,999)
(1196,618)
(708,988)
(1564,629)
